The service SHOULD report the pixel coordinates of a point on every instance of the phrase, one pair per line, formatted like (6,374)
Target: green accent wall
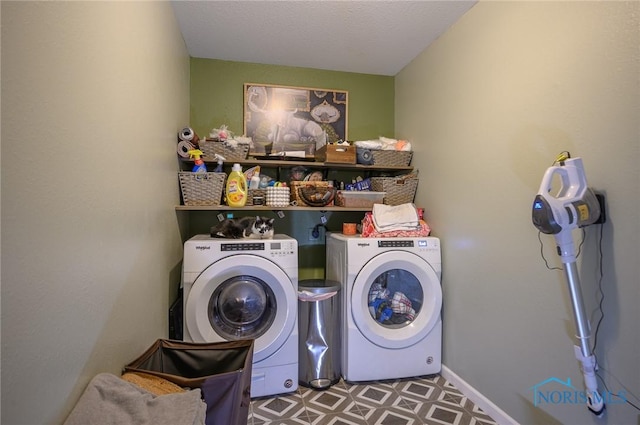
(216,93)
(217,96)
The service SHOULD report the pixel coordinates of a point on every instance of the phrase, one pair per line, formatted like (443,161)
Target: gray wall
(488,107)
(92,96)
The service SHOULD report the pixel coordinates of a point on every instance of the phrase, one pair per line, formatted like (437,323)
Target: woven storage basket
(201,188)
(400,189)
(210,148)
(277,196)
(256,193)
(392,158)
(312,189)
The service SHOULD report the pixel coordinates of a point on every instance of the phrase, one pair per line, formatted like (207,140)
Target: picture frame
(288,118)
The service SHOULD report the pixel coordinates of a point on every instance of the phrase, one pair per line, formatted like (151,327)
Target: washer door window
(242,297)
(242,307)
(396,299)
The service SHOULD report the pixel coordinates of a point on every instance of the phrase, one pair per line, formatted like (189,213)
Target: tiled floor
(417,401)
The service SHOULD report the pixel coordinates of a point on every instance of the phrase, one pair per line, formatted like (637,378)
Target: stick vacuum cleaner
(573,206)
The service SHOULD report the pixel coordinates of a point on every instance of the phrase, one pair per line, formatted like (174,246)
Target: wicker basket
(392,158)
(313,191)
(201,188)
(210,148)
(254,194)
(277,196)
(400,189)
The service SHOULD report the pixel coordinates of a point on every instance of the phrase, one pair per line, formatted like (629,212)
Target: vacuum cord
(600,309)
(595,335)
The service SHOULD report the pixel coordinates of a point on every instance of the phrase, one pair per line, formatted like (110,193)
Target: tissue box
(358,198)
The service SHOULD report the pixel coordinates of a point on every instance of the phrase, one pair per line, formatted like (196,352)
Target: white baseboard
(474,395)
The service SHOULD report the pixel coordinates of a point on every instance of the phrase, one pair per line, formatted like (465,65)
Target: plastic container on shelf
(358,199)
(236,188)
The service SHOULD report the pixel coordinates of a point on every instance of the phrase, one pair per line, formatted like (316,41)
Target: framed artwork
(282,118)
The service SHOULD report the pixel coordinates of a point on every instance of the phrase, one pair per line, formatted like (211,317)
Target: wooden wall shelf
(309,164)
(280,163)
(265,208)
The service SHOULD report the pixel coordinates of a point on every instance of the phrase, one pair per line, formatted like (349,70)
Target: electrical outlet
(318,238)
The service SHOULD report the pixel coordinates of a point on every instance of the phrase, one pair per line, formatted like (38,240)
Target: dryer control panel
(430,243)
(400,243)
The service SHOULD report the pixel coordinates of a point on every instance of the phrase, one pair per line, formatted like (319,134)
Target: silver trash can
(319,333)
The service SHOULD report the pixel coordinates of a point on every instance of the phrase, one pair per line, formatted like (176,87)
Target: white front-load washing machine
(391,309)
(237,289)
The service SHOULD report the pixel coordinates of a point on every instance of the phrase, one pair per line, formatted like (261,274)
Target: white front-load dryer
(238,289)
(391,309)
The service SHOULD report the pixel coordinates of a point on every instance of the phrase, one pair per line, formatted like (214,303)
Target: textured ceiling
(371,37)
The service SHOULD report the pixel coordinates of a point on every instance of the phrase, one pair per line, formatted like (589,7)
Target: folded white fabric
(109,399)
(387,218)
(368,144)
(385,144)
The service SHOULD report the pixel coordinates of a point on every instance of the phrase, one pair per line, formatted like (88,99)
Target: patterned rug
(416,401)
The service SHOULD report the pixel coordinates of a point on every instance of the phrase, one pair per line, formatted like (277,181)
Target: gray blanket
(109,399)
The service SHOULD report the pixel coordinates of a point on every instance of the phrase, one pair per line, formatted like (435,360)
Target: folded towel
(385,144)
(368,144)
(109,399)
(369,230)
(388,218)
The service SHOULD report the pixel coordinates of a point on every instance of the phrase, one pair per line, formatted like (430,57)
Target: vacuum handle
(572,178)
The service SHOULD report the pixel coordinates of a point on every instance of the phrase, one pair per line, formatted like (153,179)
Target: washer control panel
(274,248)
(242,246)
(282,248)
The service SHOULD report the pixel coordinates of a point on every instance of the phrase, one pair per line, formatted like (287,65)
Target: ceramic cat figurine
(244,227)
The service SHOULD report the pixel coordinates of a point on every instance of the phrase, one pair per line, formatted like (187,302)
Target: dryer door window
(242,307)
(396,299)
(243,294)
